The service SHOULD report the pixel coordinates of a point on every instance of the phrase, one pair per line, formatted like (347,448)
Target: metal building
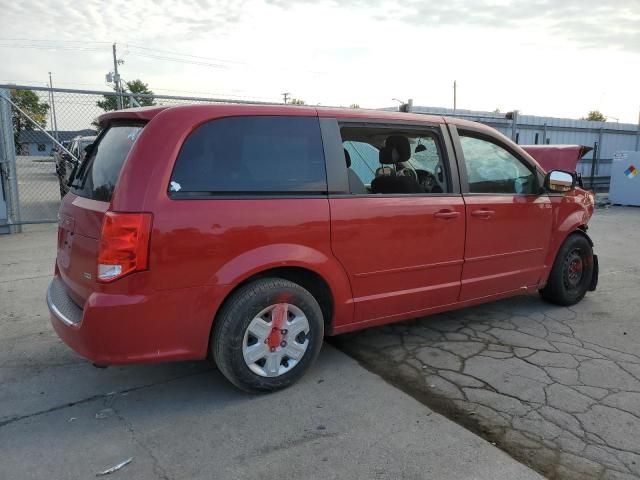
(531,130)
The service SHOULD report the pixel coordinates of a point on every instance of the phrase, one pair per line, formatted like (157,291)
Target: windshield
(424,154)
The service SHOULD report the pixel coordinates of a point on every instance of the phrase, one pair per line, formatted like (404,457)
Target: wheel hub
(574,269)
(275,340)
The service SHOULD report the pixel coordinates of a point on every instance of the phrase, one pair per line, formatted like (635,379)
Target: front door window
(493,169)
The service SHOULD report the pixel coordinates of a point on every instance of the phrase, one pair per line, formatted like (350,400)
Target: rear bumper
(121,329)
(61,305)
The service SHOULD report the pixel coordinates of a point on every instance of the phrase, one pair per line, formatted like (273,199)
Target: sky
(558,58)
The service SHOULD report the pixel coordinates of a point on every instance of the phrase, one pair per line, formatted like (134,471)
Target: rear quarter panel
(221,243)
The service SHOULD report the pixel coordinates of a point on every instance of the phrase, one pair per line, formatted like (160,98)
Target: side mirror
(557,181)
(88,149)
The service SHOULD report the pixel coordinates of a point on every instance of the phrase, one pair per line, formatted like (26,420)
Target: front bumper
(121,329)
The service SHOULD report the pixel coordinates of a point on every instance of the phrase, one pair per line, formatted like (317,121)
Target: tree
(29,102)
(297,101)
(110,102)
(596,116)
(354,105)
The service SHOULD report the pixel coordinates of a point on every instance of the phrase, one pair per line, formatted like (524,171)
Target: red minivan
(248,233)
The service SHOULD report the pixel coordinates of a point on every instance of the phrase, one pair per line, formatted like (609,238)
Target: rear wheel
(267,335)
(571,274)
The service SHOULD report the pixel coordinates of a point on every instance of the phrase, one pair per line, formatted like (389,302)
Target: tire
(570,277)
(244,330)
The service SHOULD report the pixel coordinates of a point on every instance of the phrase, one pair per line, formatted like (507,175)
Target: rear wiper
(77,172)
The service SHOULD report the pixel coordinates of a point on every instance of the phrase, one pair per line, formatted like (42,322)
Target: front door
(508,219)
(400,233)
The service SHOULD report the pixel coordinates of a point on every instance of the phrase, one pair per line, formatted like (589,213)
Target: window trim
(180,196)
(247,195)
(334,155)
(496,140)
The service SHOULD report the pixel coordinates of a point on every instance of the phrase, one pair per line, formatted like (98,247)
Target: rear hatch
(83,210)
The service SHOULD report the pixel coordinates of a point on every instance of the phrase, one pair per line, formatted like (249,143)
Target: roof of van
(147,113)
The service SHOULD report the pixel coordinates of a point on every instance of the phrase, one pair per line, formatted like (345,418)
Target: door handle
(446,214)
(483,213)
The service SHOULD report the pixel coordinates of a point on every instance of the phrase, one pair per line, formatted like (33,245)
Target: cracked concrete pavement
(62,418)
(557,388)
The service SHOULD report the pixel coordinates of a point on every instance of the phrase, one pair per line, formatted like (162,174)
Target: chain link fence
(38,127)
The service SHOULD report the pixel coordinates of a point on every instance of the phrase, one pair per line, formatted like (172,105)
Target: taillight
(124,245)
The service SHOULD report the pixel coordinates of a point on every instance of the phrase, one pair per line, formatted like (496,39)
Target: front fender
(268,257)
(576,222)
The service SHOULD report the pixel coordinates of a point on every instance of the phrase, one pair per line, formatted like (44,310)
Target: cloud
(590,23)
(138,20)
(260,48)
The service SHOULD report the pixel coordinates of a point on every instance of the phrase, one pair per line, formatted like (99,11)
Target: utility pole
(54,124)
(455,95)
(285,97)
(50,104)
(116,78)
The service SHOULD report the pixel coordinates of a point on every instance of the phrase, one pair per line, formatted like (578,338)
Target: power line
(199,57)
(218,65)
(40,82)
(48,40)
(157,90)
(53,47)
(156,53)
(79,46)
(200,60)
(178,60)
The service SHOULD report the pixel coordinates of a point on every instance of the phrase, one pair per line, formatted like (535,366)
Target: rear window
(98,174)
(249,155)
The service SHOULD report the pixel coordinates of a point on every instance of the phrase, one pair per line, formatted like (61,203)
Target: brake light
(124,244)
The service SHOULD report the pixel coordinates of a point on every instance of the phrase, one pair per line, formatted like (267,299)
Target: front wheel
(267,335)
(572,272)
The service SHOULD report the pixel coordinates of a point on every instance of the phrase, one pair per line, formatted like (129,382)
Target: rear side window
(249,155)
(97,176)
